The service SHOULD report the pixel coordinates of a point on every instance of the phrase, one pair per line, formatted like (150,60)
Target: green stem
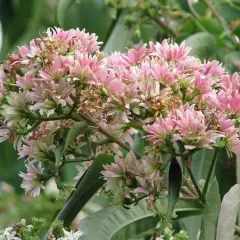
(45,119)
(78,160)
(35,125)
(214,160)
(53,118)
(201,196)
(89,144)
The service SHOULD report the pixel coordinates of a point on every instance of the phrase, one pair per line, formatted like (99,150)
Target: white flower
(82,169)
(71,235)
(13,110)
(9,234)
(31,180)
(3,134)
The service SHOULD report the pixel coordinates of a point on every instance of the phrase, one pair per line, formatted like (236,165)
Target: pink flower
(119,173)
(228,101)
(85,67)
(160,131)
(192,128)
(203,83)
(121,166)
(135,56)
(84,42)
(56,92)
(58,33)
(2,79)
(115,61)
(164,74)
(213,68)
(169,51)
(26,150)
(231,133)
(32,180)
(229,82)
(114,86)
(78,40)
(143,79)
(25,82)
(24,51)
(56,69)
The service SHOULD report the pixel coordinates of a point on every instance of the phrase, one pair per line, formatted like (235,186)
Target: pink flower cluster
(177,102)
(128,176)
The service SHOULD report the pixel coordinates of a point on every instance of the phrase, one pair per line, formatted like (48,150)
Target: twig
(190,186)
(188,192)
(160,21)
(188,198)
(222,21)
(211,168)
(35,125)
(45,119)
(89,119)
(202,198)
(192,9)
(89,144)
(215,12)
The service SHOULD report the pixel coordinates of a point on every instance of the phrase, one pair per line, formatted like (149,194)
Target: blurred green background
(211,28)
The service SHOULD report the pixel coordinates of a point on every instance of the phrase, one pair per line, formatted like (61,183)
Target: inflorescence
(173,102)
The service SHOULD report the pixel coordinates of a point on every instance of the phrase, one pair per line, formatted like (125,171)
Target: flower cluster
(127,177)
(22,231)
(175,102)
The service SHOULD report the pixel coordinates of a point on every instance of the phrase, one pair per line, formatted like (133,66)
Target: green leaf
(212,25)
(10,165)
(225,171)
(203,45)
(85,189)
(25,25)
(59,153)
(232,61)
(201,161)
(174,187)
(148,32)
(119,36)
(192,226)
(228,13)
(62,7)
(118,223)
(238,180)
(211,212)
(92,15)
(228,214)
(77,129)
(187,208)
(138,144)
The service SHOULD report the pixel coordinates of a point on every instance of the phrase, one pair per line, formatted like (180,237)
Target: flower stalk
(93,123)
(210,171)
(201,196)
